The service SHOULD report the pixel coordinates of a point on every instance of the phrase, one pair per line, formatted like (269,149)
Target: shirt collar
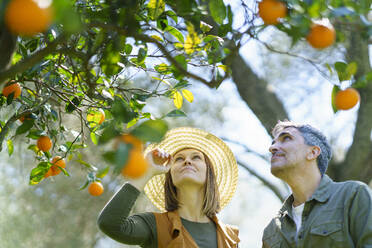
(321,194)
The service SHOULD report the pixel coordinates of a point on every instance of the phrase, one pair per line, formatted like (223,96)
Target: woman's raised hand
(159,163)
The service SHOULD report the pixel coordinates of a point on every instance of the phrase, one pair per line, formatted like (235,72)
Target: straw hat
(220,155)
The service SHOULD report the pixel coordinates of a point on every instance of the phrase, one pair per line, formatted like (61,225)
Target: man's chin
(277,170)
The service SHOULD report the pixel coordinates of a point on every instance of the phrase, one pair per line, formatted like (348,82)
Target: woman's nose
(187,161)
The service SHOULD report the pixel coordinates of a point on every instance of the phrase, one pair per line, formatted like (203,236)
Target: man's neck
(303,185)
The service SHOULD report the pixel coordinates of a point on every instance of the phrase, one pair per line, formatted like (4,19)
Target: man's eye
(286,138)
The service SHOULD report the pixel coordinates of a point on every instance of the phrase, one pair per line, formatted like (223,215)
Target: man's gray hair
(312,137)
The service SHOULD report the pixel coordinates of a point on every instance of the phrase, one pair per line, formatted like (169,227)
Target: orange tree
(88,52)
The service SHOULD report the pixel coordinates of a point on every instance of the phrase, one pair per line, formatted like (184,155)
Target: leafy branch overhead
(80,59)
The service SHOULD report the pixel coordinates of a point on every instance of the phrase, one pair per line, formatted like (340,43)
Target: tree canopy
(83,62)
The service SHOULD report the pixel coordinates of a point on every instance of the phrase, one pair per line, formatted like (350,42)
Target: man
(319,213)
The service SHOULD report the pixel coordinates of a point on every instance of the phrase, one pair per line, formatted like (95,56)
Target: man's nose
(273,148)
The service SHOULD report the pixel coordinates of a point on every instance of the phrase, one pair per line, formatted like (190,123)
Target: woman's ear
(313,153)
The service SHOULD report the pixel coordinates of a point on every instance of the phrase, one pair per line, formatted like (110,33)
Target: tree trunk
(254,91)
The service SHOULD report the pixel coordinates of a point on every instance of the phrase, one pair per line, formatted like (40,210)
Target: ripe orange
(23,118)
(49,173)
(136,165)
(28,17)
(271,10)
(44,143)
(12,88)
(95,188)
(346,99)
(321,36)
(130,139)
(96,116)
(57,161)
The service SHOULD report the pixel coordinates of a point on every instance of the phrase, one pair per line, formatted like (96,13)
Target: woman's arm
(139,229)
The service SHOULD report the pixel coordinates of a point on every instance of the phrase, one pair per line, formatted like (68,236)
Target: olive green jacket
(337,215)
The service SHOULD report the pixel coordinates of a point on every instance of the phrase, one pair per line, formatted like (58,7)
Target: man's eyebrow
(281,135)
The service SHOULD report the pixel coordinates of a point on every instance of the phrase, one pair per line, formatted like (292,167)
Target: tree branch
(267,183)
(30,61)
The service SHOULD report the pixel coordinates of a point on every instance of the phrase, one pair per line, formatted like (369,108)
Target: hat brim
(220,155)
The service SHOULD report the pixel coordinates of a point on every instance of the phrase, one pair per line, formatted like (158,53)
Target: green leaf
(71,106)
(176,33)
(27,125)
(128,48)
(341,71)
(132,122)
(121,111)
(155,8)
(93,137)
(334,92)
(176,113)
(34,134)
(37,174)
(109,133)
(351,68)
(142,54)
(10,147)
(103,172)
(121,156)
(151,130)
(218,10)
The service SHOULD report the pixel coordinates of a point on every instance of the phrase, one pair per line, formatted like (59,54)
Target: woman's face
(188,167)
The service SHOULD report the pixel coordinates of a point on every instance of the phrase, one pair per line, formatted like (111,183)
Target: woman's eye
(196,157)
(286,138)
(179,159)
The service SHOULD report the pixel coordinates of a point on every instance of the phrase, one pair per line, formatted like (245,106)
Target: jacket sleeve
(139,229)
(361,217)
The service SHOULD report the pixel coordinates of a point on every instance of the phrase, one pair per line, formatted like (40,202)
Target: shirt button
(324,232)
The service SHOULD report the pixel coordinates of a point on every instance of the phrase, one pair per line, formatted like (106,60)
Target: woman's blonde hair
(211,203)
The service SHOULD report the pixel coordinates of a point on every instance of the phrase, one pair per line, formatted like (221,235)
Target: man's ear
(313,153)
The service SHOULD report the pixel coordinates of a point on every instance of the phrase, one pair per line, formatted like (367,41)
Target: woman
(199,177)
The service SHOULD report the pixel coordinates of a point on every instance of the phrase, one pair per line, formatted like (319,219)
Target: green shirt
(140,229)
(337,215)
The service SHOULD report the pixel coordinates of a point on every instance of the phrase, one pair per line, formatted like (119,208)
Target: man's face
(288,150)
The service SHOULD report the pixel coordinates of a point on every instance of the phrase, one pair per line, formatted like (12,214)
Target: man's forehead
(287,130)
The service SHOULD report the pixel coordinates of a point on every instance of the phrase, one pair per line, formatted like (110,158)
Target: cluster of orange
(135,167)
(44,143)
(28,17)
(320,36)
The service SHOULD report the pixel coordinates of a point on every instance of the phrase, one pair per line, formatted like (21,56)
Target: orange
(57,162)
(95,115)
(12,88)
(49,173)
(95,188)
(28,17)
(23,118)
(130,139)
(44,143)
(271,10)
(321,36)
(136,165)
(346,99)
